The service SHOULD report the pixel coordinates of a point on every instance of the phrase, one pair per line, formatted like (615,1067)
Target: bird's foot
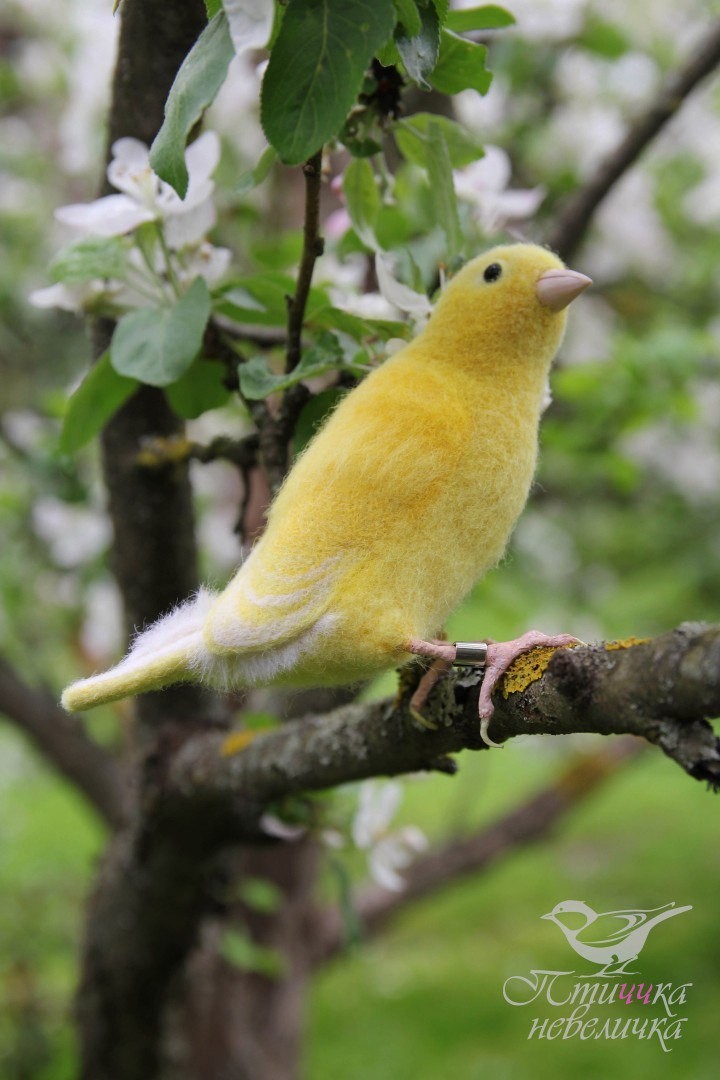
(443,655)
(500,655)
(492,657)
(437,671)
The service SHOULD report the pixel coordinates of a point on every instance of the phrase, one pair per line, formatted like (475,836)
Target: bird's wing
(272,599)
(610,928)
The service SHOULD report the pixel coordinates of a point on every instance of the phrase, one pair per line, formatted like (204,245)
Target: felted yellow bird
(403,500)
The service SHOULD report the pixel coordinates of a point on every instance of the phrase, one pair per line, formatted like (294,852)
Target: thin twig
(157,453)
(572,223)
(530,821)
(313,246)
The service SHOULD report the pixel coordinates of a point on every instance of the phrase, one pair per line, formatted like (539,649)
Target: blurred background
(621,536)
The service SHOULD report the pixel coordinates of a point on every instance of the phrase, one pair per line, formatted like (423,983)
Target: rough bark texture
(663,690)
(154,884)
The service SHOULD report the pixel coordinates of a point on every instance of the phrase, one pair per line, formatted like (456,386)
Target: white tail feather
(169,651)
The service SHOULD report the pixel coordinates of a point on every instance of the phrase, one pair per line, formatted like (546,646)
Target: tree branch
(276,429)
(613,689)
(158,453)
(61,739)
(313,246)
(532,820)
(572,223)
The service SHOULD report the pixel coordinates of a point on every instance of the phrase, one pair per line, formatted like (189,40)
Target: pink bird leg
(500,655)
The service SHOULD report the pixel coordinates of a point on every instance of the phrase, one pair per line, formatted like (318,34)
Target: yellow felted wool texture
(406,496)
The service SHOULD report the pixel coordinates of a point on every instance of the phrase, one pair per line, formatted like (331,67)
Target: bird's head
(508,307)
(571,914)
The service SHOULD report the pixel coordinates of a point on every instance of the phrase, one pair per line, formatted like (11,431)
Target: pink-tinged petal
(337,224)
(249,22)
(112,215)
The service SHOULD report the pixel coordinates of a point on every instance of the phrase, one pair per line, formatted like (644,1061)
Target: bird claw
(421,721)
(500,656)
(484,724)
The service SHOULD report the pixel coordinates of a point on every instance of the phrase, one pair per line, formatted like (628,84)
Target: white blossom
(414,304)
(272,825)
(388,852)
(74,534)
(249,22)
(180,253)
(145,197)
(75,298)
(484,185)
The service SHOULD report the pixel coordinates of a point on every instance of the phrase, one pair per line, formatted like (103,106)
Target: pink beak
(556,288)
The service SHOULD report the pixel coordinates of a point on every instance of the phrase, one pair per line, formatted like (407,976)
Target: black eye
(492,272)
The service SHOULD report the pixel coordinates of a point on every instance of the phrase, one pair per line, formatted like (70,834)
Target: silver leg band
(470,654)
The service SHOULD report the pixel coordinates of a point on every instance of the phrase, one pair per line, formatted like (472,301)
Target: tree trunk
(157,998)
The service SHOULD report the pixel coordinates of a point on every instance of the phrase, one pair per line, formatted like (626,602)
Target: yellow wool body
(406,496)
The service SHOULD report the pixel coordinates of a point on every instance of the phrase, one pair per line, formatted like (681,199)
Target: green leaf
(278,251)
(442,189)
(441,6)
(93,257)
(411,136)
(393,228)
(260,299)
(408,15)
(212,7)
(257,381)
(461,66)
(200,389)
(314,414)
(240,950)
(334,318)
(255,176)
(196,84)
(316,69)
(260,894)
(352,926)
(97,398)
(362,199)
(157,346)
(419,53)
(604,38)
(388,54)
(487,17)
